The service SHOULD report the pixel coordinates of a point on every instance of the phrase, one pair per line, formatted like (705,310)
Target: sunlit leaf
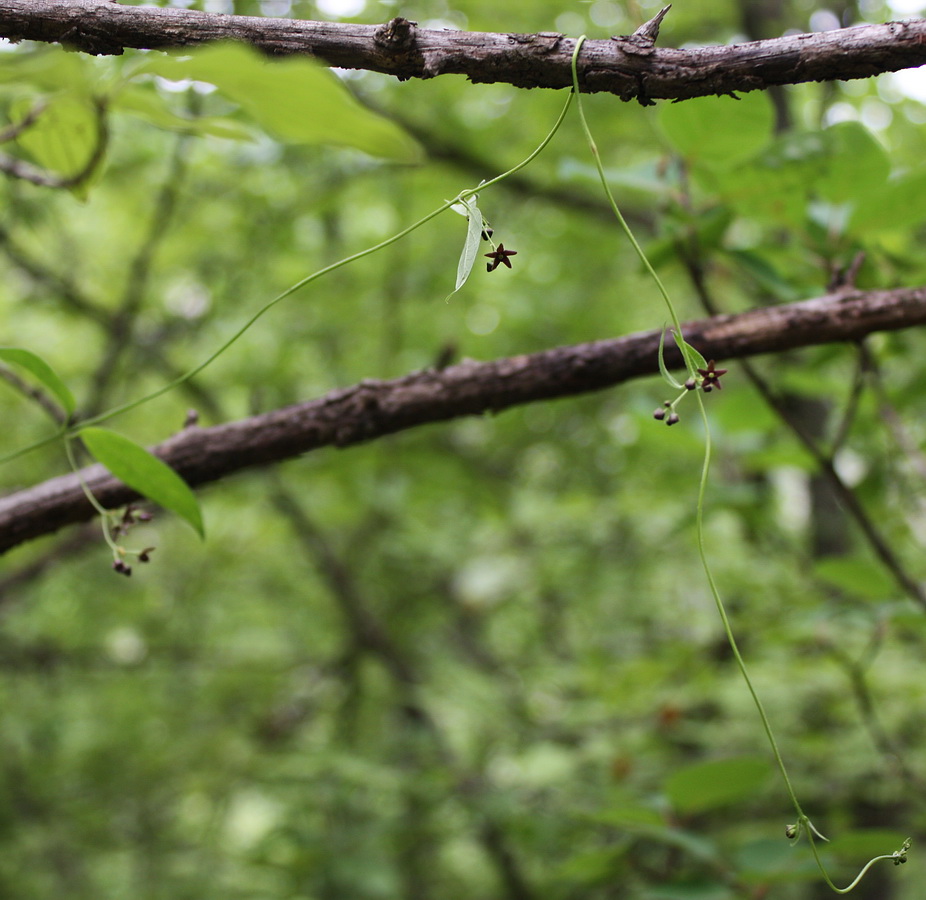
(717,131)
(48,69)
(43,372)
(897,205)
(144,472)
(857,166)
(141,101)
(64,136)
(296,100)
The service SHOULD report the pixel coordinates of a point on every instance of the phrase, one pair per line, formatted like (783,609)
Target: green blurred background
(475,660)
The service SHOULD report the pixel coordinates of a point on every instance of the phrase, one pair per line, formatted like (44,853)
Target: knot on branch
(397,35)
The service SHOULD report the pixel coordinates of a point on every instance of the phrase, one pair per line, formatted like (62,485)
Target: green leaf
(717,131)
(695,845)
(709,785)
(696,360)
(666,374)
(144,472)
(857,166)
(857,577)
(50,70)
(765,860)
(65,135)
(897,206)
(765,273)
(296,100)
(43,372)
(471,244)
(629,817)
(141,101)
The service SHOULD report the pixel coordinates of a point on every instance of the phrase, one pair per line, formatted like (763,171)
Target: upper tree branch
(629,67)
(372,409)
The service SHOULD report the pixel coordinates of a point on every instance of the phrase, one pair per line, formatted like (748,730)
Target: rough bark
(372,409)
(630,67)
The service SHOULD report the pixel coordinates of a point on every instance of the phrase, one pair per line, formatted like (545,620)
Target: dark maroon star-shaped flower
(710,377)
(499,255)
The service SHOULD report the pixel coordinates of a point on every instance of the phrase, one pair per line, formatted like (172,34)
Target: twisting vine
(706,376)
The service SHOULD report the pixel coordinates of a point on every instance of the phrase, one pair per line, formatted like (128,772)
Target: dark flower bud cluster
(666,413)
(707,379)
(128,520)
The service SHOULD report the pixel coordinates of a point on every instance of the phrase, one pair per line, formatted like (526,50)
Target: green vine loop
(803,823)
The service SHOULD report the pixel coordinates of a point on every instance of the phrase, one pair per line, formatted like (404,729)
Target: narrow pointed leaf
(471,244)
(693,356)
(43,372)
(144,472)
(666,374)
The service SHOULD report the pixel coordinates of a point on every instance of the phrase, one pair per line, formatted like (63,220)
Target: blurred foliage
(475,660)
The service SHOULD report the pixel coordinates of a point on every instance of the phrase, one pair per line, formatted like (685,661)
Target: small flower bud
(659,414)
(707,388)
(691,384)
(672,419)
(791,832)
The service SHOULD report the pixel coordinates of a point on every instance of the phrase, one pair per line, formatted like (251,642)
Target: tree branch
(372,409)
(630,67)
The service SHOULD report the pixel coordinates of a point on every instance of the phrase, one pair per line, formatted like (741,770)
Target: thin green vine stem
(803,822)
(292,289)
(722,611)
(593,147)
(101,510)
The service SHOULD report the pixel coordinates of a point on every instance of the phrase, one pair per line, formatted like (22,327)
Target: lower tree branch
(373,408)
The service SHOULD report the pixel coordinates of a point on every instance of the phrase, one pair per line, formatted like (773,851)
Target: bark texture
(629,66)
(372,409)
